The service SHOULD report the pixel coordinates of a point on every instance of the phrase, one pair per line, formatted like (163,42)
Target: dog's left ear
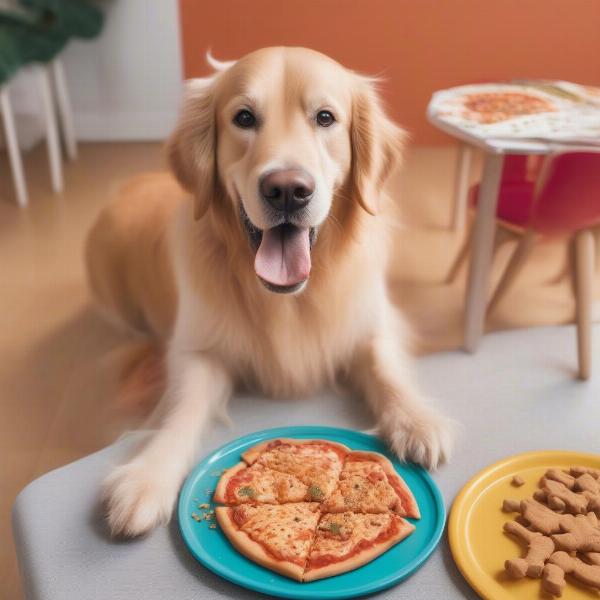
(376,145)
(191,149)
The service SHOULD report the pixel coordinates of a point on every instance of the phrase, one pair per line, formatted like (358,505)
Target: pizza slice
(277,537)
(369,484)
(258,484)
(316,463)
(348,540)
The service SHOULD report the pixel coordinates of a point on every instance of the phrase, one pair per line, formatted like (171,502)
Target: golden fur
(183,271)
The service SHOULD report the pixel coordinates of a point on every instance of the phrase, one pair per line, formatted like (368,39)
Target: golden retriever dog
(263,266)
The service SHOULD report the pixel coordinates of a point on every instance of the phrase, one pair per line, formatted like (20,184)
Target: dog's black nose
(287,190)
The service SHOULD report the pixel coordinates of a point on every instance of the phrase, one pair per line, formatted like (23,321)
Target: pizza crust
(220,493)
(253,453)
(245,545)
(358,560)
(409,503)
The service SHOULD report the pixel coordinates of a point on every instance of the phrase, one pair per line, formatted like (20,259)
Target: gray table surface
(516,394)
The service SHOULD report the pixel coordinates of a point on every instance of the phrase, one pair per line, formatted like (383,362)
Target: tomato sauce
(244,476)
(328,559)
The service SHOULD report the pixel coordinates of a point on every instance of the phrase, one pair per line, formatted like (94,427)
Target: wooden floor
(58,357)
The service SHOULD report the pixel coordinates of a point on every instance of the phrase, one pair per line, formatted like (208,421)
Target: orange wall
(418,45)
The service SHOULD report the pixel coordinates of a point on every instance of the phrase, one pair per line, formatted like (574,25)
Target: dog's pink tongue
(283,257)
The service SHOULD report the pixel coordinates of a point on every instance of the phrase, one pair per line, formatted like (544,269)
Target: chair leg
(516,263)
(461,258)
(65,109)
(501,236)
(461,186)
(52,141)
(584,277)
(12,145)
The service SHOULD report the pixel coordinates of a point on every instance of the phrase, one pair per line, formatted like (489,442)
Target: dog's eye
(325,118)
(244,119)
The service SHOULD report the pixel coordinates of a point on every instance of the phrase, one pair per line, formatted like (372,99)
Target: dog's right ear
(191,148)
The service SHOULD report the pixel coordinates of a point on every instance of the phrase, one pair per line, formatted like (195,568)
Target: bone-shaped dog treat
(556,504)
(586,483)
(540,517)
(590,488)
(581,533)
(539,548)
(578,471)
(509,505)
(553,579)
(592,557)
(575,503)
(587,574)
(593,503)
(557,475)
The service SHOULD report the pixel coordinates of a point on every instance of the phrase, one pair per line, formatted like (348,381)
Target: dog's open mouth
(282,254)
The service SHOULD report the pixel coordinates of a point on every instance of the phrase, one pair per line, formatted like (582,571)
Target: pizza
(348,540)
(369,483)
(310,509)
(492,107)
(277,537)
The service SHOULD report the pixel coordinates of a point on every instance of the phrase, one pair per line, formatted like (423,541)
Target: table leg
(461,186)
(481,251)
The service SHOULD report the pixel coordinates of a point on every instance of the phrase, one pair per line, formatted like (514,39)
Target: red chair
(564,202)
(515,201)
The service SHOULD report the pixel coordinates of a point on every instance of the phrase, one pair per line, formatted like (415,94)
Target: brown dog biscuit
(540,517)
(587,574)
(578,471)
(582,534)
(574,503)
(517,481)
(557,475)
(539,548)
(553,579)
(509,505)
(556,504)
(593,558)
(586,483)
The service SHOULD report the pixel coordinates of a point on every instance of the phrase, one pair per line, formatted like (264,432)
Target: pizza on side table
(310,509)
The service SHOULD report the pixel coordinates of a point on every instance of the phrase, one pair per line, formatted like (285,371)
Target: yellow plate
(478,544)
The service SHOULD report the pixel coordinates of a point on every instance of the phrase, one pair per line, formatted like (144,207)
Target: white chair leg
(12,145)
(65,110)
(461,186)
(52,141)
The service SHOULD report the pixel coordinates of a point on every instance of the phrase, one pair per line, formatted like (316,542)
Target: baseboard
(121,126)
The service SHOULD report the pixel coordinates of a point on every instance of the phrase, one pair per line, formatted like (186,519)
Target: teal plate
(213,550)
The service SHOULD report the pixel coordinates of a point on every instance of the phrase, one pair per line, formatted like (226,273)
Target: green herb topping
(315,492)
(334,528)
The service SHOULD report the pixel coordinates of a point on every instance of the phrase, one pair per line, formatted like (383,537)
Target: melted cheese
(285,531)
(316,467)
(363,487)
(259,484)
(339,534)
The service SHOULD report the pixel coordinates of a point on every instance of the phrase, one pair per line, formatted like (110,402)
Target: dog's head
(277,138)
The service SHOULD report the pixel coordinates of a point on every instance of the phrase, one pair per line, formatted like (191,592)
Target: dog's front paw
(426,438)
(137,499)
